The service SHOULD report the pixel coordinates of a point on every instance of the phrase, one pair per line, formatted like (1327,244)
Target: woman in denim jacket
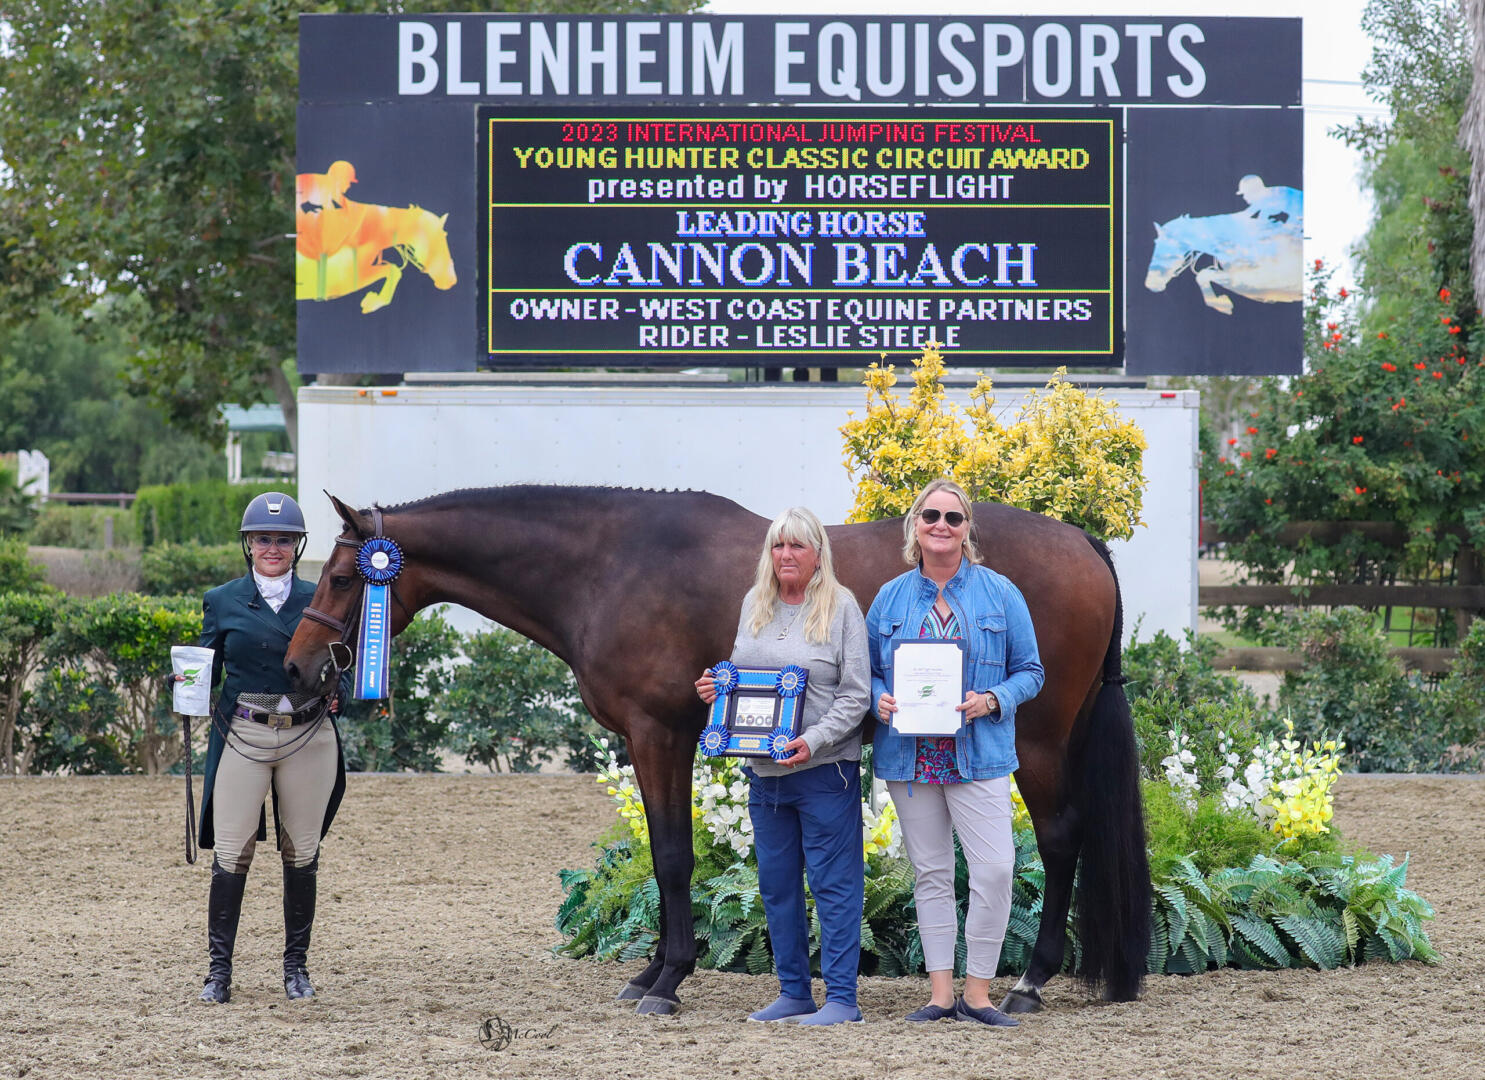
(959,782)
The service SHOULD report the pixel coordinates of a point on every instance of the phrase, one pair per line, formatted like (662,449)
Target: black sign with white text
(686,234)
(499,190)
(756,59)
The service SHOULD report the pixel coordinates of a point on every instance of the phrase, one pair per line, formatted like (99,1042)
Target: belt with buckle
(274,719)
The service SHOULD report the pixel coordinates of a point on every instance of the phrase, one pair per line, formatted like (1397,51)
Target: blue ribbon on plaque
(756,711)
(379,561)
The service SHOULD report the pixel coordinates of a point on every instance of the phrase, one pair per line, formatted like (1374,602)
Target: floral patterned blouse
(936,763)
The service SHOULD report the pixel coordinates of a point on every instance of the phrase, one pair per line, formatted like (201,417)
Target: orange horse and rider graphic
(341,245)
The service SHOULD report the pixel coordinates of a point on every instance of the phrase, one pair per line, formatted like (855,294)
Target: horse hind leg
(1058,842)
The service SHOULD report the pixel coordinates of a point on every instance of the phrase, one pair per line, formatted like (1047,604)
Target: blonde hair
(797,525)
(911,551)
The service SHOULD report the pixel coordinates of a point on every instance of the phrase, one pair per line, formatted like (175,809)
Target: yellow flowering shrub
(1068,454)
(1300,782)
(1020,816)
(883,833)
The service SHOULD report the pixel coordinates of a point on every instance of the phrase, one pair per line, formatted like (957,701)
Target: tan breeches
(301,766)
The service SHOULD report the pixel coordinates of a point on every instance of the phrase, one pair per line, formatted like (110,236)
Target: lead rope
(191,849)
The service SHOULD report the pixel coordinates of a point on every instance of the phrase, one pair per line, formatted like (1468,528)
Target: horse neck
(408,225)
(532,559)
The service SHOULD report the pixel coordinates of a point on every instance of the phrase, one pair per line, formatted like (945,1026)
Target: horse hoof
(1022,1001)
(632,992)
(657,1006)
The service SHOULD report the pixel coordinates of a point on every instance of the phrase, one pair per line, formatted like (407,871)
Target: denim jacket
(1001,658)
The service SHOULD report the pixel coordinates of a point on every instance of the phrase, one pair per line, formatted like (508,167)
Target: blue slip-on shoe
(931,1012)
(784,1008)
(990,1017)
(832,1012)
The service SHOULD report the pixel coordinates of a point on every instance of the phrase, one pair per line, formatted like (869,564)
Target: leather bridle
(342,656)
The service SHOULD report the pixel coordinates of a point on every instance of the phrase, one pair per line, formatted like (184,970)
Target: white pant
(980,812)
(301,766)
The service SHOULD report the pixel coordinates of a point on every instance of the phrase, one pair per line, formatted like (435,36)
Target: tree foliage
(65,392)
(408,730)
(150,153)
(1384,424)
(513,703)
(1416,168)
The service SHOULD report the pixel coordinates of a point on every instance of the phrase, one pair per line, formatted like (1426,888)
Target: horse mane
(463,496)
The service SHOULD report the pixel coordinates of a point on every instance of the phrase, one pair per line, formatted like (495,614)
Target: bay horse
(638,591)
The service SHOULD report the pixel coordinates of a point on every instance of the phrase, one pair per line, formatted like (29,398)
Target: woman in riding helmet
(265,739)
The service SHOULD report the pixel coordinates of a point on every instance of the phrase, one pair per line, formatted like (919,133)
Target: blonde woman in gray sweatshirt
(806,808)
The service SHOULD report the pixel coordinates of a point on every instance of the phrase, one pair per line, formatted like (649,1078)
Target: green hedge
(173,569)
(99,703)
(81,688)
(207,512)
(81,526)
(18,572)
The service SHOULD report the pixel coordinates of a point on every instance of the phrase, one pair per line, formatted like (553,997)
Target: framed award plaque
(756,711)
(928,683)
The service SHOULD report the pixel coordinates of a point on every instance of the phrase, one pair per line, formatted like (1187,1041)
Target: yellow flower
(1068,455)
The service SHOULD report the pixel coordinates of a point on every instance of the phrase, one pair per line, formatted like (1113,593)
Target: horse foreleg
(1204,279)
(380,298)
(662,762)
(638,987)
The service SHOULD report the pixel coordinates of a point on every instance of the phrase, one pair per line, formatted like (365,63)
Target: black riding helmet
(273,512)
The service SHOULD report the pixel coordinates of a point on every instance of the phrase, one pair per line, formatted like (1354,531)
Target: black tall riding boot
(299,918)
(223,907)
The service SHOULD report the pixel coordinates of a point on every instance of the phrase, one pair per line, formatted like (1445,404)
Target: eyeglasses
(953,518)
(265,542)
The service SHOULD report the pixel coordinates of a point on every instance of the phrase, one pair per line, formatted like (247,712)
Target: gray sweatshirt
(836,696)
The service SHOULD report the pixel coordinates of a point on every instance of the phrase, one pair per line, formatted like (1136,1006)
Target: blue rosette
(725,677)
(790,681)
(379,561)
(713,740)
(776,746)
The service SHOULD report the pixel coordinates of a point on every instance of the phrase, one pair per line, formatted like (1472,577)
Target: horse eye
(340,581)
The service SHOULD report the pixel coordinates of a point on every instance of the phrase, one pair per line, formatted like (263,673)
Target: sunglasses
(952,518)
(266,542)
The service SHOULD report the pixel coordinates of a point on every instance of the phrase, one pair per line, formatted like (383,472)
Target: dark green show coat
(250,640)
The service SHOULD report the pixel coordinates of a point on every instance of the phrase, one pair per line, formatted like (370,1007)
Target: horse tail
(1113,891)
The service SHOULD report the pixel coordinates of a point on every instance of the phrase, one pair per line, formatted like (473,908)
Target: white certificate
(928,683)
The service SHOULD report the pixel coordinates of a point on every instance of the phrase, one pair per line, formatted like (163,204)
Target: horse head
(1171,254)
(324,641)
(428,247)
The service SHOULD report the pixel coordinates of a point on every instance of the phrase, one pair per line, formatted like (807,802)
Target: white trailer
(765,446)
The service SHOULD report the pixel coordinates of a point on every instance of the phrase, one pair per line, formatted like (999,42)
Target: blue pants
(811,820)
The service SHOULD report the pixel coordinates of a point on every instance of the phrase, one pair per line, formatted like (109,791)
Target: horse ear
(1158,230)
(443,220)
(347,515)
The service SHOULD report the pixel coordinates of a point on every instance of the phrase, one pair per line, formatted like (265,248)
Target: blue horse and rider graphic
(1257,252)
